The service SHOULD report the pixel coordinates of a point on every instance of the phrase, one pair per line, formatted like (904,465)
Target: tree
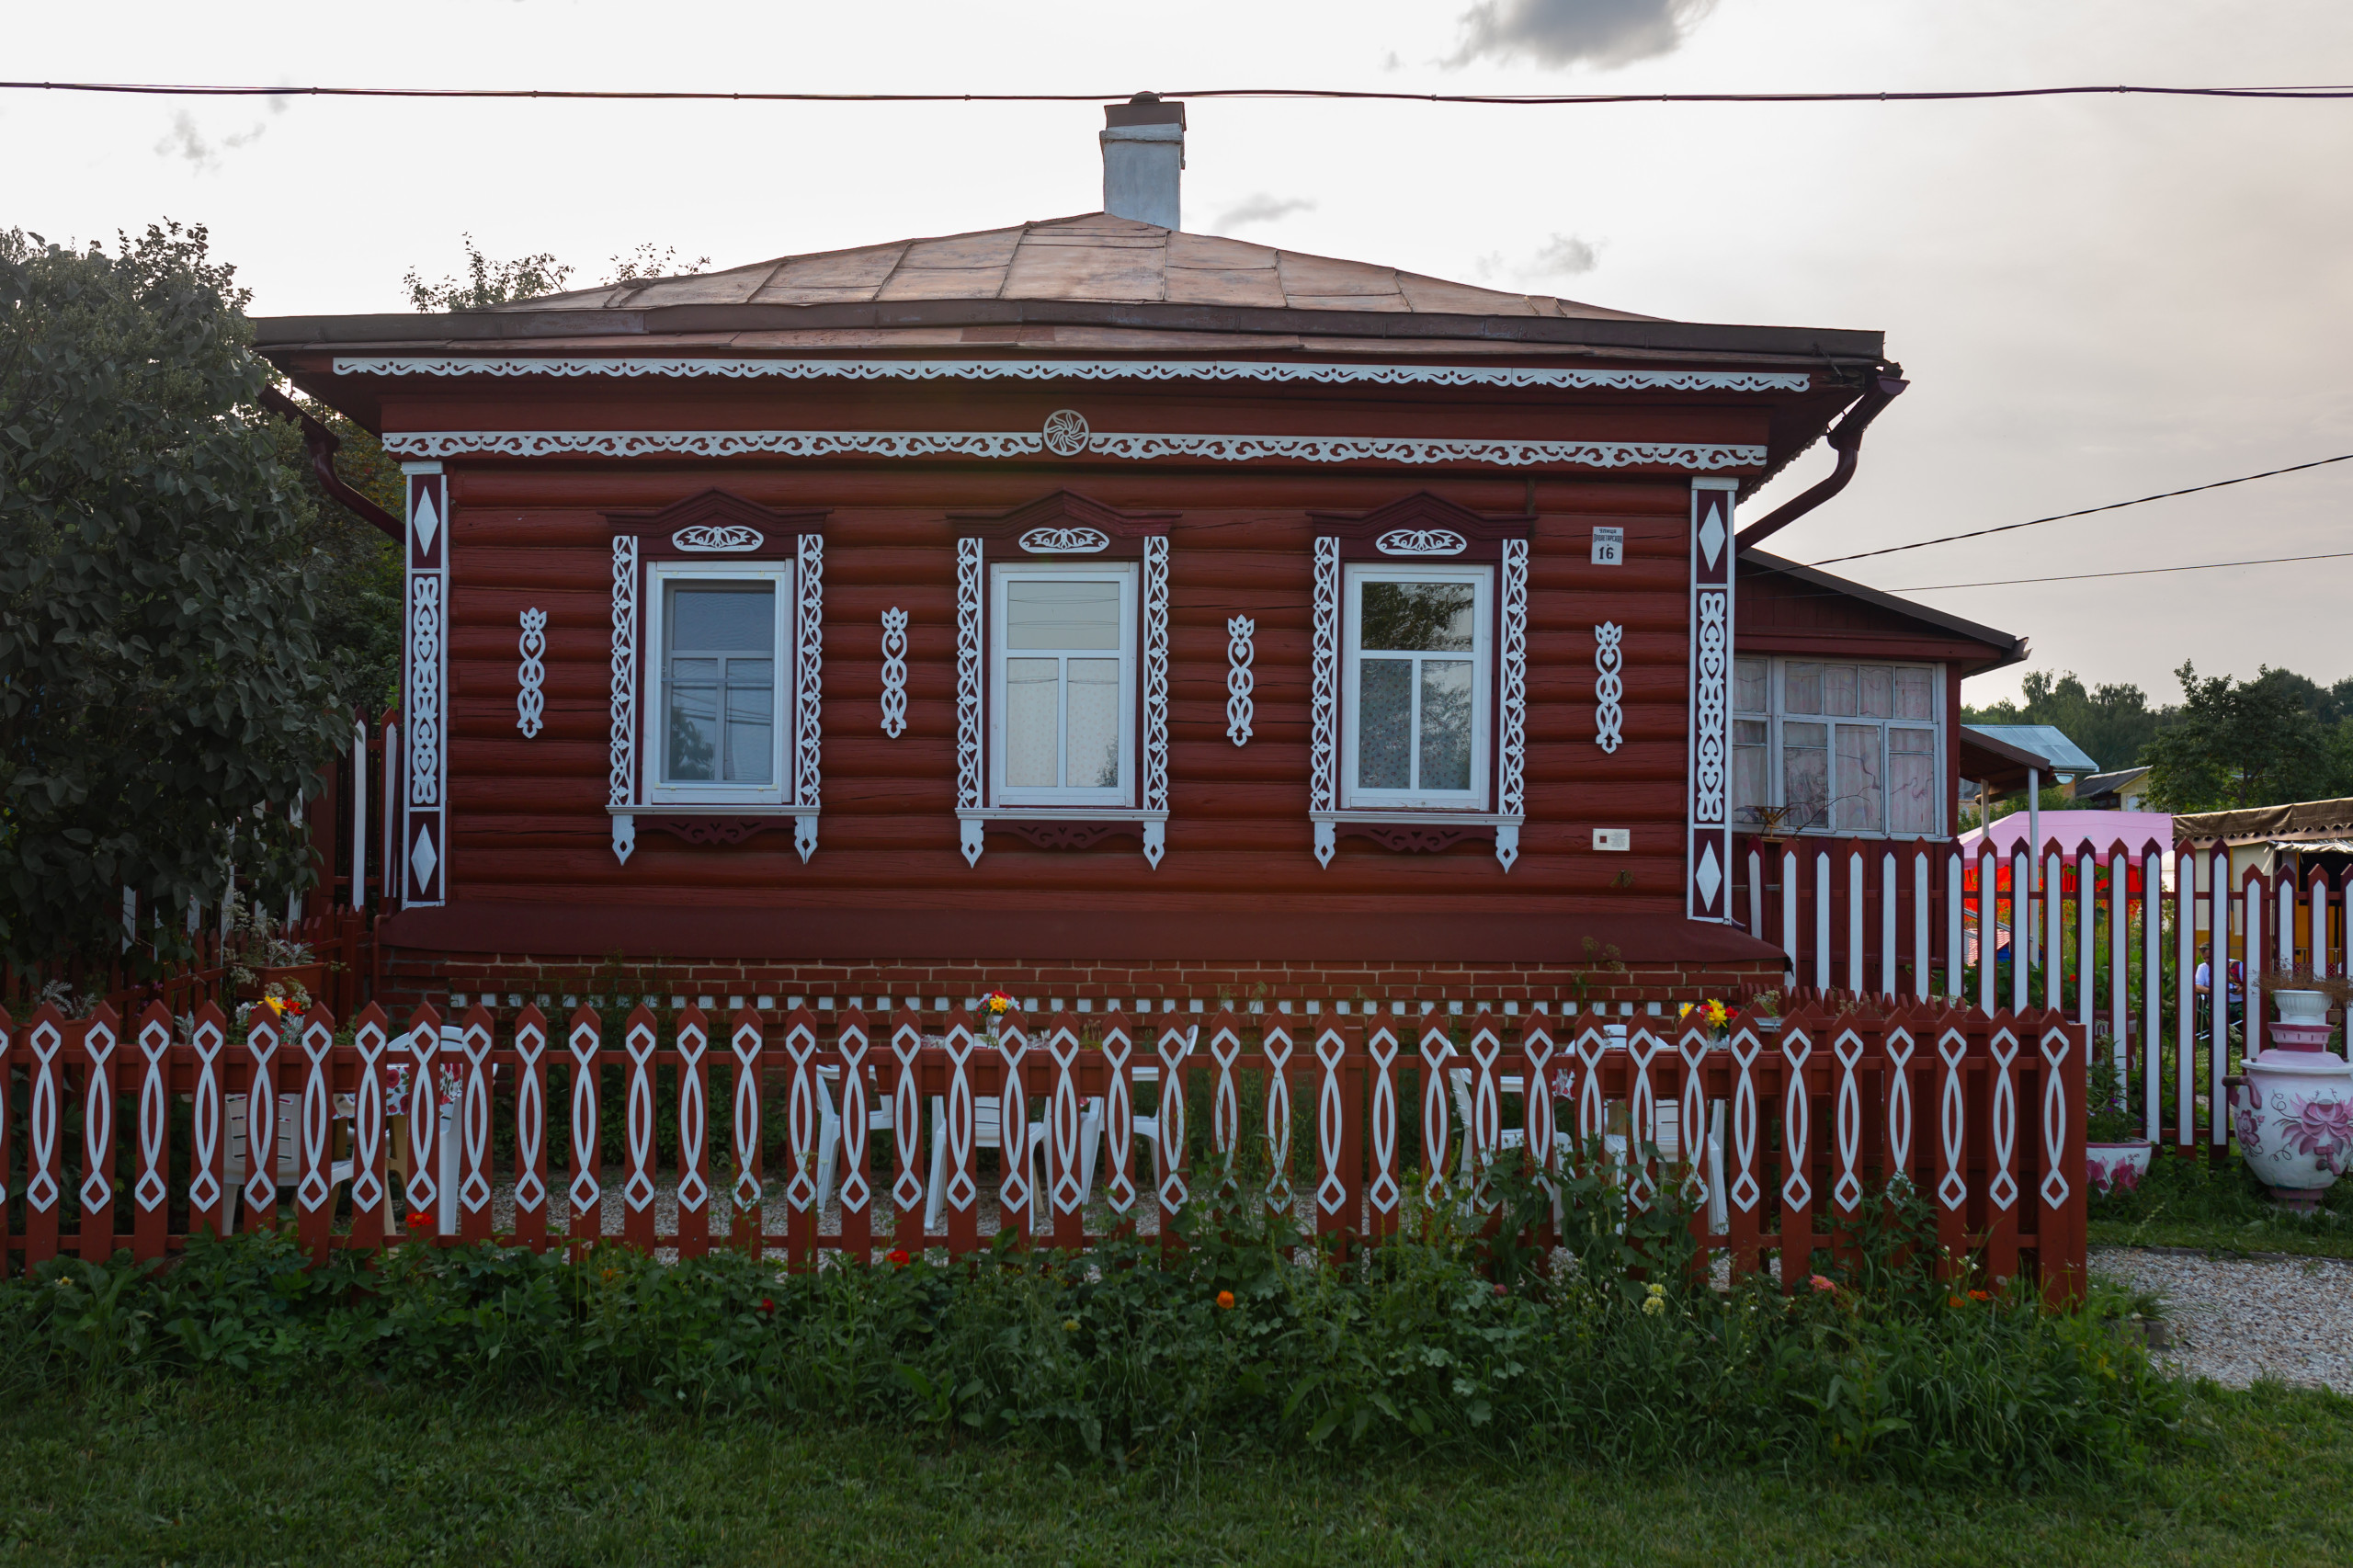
(489,282)
(356,604)
(2240,744)
(164,701)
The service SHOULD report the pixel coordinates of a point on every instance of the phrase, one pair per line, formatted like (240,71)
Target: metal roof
(2046,740)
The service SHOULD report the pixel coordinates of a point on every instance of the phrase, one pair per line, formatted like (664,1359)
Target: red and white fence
(1789,1132)
(1913,920)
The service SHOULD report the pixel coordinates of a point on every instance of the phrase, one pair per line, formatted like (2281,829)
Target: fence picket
(584,1041)
(471,1124)
(424,1117)
(747,1040)
(532,1129)
(693,1046)
(1384,1193)
(96,1236)
(314,1145)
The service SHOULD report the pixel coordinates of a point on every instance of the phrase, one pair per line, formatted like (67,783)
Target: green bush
(1469,1337)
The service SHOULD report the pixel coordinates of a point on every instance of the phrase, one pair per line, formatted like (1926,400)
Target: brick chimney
(1143,159)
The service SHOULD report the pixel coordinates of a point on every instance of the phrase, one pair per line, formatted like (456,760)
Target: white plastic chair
(879,1118)
(289,1169)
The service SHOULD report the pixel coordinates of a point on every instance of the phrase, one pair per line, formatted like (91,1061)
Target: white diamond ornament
(422,859)
(1708,876)
(1711,534)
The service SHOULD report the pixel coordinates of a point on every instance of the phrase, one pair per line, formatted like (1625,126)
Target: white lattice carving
(1118,1117)
(1608,685)
(718,539)
(1710,764)
(1952,1121)
(1324,696)
(1436,1128)
(1513,797)
(895,672)
(1331,1121)
(98,1119)
(369,1042)
(800,1114)
(425,689)
(1796,1118)
(531,1113)
(855,1123)
(968,758)
(962,1189)
(154,1124)
(1169,1146)
(2056,1045)
(808,730)
(1847,1119)
(1899,1047)
(1065,541)
(694,1120)
(583,1043)
(1421,541)
(424,1127)
(621,779)
(1155,686)
(2003,1187)
(205,1115)
(1013,1128)
(746,1043)
(1745,1191)
(41,1189)
(1276,1046)
(1239,682)
(637,1116)
(531,676)
(474,1118)
(1381,1045)
(1412,451)
(1090,370)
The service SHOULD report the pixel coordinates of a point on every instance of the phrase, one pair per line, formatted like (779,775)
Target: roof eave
(2008,649)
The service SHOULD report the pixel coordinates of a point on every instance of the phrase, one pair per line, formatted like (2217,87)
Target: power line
(2137,572)
(2318,92)
(2062,516)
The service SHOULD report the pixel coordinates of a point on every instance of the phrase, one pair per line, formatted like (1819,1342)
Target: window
(1063,685)
(1844,748)
(718,712)
(1417,671)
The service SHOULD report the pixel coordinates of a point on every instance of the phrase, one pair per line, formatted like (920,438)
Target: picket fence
(1798,1128)
(1895,920)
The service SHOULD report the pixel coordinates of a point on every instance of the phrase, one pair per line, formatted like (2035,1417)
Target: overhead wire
(2319,92)
(2133,572)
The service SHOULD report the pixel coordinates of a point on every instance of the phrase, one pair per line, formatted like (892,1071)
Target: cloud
(184,141)
(1261,209)
(1566,256)
(1563,32)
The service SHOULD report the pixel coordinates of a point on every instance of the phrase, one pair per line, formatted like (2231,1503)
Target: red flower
(417,1221)
(1502,1289)
(1225,1301)
(1824,1285)
(766,1305)
(897,1257)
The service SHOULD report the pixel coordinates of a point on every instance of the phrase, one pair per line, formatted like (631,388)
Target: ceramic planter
(2295,1122)
(2301,1006)
(2116,1167)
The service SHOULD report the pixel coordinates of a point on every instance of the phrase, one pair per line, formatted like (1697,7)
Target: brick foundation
(408,977)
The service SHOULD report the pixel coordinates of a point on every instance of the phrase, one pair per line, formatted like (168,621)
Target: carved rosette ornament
(1066,433)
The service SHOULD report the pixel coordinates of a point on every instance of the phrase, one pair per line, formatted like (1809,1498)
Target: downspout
(323,443)
(1846,440)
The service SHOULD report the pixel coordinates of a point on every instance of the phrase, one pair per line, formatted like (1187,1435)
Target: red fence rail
(797,1136)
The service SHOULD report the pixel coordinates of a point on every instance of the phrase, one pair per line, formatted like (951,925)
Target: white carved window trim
(1355,797)
(1240,709)
(655,790)
(895,672)
(1504,672)
(977,748)
(531,676)
(631,791)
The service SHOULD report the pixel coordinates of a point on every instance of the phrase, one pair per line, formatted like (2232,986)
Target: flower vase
(2117,1166)
(2304,1021)
(2295,1122)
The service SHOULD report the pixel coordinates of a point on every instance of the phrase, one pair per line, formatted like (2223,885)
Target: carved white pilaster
(1608,685)
(1239,709)
(1708,877)
(895,672)
(969,794)
(1512,771)
(1155,693)
(808,729)
(1324,697)
(531,676)
(622,780)
(425,830)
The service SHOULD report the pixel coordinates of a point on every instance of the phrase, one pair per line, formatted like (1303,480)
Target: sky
(2094,299)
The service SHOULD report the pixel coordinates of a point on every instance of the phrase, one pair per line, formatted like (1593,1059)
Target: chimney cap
(1144,108)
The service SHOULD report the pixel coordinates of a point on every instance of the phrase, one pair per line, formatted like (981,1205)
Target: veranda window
(1833,747)
(718,707)
(1062,673)
(1420,666)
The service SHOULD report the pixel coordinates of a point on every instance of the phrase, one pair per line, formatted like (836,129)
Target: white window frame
(658,791)
(1002,575)
(1482,680)
(1775,781)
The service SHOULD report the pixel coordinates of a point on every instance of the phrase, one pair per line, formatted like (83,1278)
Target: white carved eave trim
(1086,370)
(1608,685)
(895,672)
(716,538)
(1065,541)
(1421,541)
(531,696)
(1239,681)
(1410,451)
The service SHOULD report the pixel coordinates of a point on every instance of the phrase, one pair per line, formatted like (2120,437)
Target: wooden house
(1091,605)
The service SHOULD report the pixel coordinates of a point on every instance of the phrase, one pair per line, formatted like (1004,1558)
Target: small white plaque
(1618,838)
(1609,547)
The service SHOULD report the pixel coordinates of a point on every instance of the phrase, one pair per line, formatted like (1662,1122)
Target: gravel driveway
(2235,1320)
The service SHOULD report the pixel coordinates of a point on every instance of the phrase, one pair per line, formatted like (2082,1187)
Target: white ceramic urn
(2294,1121)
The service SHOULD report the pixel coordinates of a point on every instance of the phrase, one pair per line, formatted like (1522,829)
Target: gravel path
(2235,1320)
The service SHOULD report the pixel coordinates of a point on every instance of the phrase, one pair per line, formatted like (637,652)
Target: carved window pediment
(1062,523)
(1421,527)
(717,523)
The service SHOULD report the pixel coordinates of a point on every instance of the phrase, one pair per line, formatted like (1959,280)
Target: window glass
(1418,617)
(1751,775)
(1878,702)
(1911,781)
(1802,688)
(1417,721)
(1855,807)
(1915,693)
(1806,774)
(1838,690)
(1063,707)
(720,683)
(1750,686)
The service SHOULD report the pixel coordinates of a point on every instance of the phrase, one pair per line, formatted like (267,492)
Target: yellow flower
(1653,1305)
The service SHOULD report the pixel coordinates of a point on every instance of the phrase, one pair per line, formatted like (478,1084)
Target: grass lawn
(2216,1205)
(191,1474)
